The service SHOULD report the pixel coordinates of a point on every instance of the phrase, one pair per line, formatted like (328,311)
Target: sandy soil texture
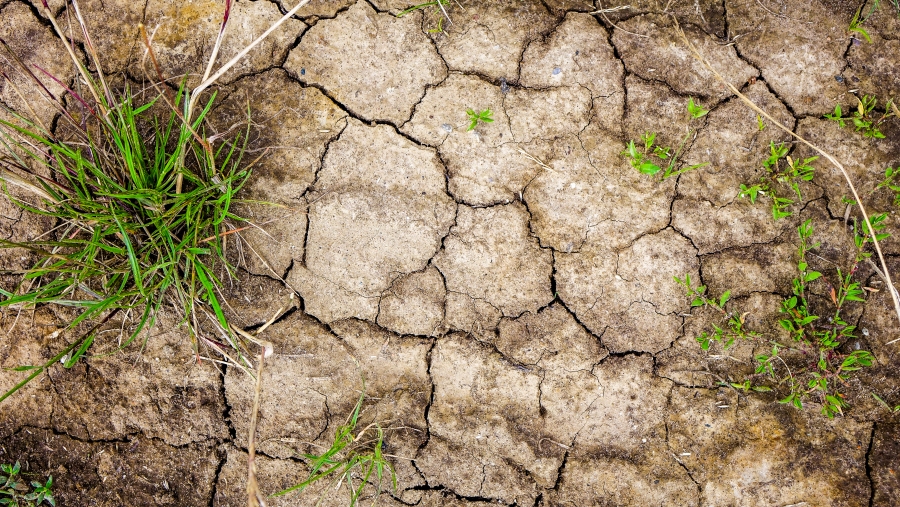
(507,292)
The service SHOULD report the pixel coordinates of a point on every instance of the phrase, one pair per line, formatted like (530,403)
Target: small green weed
(864,118)
(891,182)
(485,116)
(734,323)
(777,173)
(349,454)
(15,493)
(696,110)
(648,160)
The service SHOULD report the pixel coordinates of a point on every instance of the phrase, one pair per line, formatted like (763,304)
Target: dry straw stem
(699,56)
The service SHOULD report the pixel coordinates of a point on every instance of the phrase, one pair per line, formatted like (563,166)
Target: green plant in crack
(780,173)
(733,328)
(892,410)
(352,460)
(14,492)
(483,116)
(651,159)
(865,118)
(142,201)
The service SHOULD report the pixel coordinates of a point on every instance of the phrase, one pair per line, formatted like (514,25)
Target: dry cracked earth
(506,292)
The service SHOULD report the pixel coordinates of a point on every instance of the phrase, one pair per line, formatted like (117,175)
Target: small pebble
(866,331)
(447,127)
(556,70)
(504,88)
(839,79)
(302,72)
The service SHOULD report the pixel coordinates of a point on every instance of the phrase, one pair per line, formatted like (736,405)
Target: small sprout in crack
(884,404)
(485,116)
(891,182)
(759,123)
(351,458)
(696,110)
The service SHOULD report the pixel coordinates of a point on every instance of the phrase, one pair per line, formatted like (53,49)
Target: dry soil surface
(507,292)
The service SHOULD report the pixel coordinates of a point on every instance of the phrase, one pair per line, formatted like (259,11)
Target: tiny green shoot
(484,116)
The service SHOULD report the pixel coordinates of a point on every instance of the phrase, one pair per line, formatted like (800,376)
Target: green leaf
(724,298)
(695,109)
(812,275)
(648,168)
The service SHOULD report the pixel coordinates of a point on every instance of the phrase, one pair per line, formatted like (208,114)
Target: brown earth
(506,292)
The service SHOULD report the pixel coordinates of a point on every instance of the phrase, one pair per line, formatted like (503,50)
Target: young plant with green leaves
(15,492)
(354,460)
(733,328)
(865,118)
(651,159)
(142,203)
(787,173)
(483,116)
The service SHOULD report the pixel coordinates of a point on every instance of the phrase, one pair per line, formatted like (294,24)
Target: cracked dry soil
(517,323)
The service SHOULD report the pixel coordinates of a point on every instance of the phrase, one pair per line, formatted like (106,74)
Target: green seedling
(862,234)
(14,492)
(865,118)
(485,116)
(858,20)
(891,182)
(350,456)
(696,110)
(856,23)
(759,123)
(788,173)
(653,157)
(733,328)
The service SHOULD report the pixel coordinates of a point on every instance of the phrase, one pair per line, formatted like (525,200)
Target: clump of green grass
(142,203)
(351,458)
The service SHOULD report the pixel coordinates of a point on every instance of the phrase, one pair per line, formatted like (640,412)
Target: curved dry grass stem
(887,276)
